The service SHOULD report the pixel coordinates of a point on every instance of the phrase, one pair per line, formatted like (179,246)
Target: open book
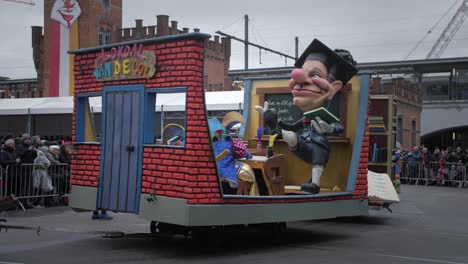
(380,188)
(324,114)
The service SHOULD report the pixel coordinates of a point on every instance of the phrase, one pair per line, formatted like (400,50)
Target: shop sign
(125,62)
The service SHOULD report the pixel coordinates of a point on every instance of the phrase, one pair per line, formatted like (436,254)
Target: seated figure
(232,172)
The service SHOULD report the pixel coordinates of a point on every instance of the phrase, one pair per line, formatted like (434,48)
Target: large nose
(298,75)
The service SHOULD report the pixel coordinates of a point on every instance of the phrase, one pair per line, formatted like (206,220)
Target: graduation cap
(231,119)
(340,63)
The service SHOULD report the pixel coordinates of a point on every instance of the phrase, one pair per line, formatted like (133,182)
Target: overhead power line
(254,29)
(238,20)
(21,2)
(255,45)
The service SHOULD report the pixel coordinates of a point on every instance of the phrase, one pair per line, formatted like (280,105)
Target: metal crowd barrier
(434,173)
(26,181)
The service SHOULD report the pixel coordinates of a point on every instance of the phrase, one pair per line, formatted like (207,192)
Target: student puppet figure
(320,73)
(228,150)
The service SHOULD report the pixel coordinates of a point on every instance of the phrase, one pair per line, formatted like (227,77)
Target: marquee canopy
(215,101)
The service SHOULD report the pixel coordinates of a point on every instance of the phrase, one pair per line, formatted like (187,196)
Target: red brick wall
(85,167)
(361,181)
(189,172)
(181,64)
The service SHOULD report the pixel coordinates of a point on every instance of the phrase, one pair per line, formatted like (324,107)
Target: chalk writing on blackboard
(284,107)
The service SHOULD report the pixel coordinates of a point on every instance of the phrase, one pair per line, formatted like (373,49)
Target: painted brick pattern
(85,165)
(360,191)
(188,173)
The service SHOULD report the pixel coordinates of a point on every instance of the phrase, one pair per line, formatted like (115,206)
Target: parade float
(129,162)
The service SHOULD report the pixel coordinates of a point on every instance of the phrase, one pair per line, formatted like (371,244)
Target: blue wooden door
(120,177)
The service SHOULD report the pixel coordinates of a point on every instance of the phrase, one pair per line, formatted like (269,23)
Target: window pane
(101,38)
(88,119)
(400,129)
(165,121)
(107,37)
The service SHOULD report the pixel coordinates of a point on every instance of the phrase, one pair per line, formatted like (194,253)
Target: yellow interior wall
(90,136)
(298,171)
(74,45)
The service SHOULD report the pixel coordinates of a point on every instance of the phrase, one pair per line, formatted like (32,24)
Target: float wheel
(163,229)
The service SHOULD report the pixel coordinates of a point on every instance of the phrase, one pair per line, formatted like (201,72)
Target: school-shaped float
(131,164)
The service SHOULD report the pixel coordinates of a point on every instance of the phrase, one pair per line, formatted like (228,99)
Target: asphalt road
(430,225)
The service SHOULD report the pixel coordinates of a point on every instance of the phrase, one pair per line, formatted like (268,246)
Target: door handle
(130,148)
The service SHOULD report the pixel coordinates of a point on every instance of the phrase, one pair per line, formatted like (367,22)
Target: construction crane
(21,2)
(449,31)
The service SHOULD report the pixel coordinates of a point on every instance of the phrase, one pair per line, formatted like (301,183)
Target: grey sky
(373,30)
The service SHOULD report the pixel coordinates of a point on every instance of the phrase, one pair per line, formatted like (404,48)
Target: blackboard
(284,107)
(289,113)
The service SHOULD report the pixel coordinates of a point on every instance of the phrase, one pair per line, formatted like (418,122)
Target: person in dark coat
(8,155)
(25,151)
(18,142)
(65,153)
(36,141)
(459,155)
(5,138)
(8,160)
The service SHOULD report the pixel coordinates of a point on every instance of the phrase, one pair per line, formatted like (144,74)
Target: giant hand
(270,118)
(321,126)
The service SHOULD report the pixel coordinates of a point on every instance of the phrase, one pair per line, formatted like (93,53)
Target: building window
(101,37)
(439,92)
(105,4)
(413,132)
(107,37)
(399,135)
(381,89)
(460,84)
(104,37)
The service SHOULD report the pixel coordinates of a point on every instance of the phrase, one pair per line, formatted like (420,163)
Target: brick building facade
(408,99)
(19,88)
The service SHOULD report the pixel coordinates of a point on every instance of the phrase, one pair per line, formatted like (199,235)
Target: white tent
(170,101)
(19,106)
(54,105)
(215,101)
(228,100)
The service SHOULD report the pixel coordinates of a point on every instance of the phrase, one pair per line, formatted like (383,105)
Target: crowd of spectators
(46,167)
(441,166)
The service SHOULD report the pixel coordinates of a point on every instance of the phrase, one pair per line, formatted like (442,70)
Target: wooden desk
(273,170)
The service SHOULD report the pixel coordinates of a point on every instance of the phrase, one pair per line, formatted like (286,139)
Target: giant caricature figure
(320,73)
